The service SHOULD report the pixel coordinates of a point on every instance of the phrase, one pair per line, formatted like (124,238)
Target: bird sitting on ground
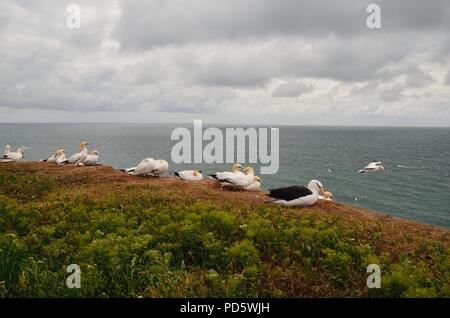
(297,195)
(79,156)
(189,175)
(91,159)
(14,156)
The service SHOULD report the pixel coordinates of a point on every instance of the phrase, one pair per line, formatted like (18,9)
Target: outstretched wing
(289,193)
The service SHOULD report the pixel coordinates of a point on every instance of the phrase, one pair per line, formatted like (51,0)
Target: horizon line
(231,124)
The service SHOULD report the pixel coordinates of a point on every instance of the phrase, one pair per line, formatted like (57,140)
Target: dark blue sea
(415,184)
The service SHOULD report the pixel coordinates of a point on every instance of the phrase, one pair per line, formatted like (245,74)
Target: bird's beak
(322,192)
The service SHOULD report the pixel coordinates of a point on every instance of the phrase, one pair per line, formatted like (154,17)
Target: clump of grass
(137,240)
(25,186)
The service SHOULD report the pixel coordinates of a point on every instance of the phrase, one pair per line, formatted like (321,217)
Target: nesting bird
(235,171)
(91,159)
(13,156)
(297,195)
(55,156)
(189,175)
(7,149)
(79,156)
(160,167)
(144,168)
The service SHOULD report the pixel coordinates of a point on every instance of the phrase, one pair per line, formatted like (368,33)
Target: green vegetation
(134,240)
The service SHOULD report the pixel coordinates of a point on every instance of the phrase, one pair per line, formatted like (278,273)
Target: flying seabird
(189,175)
(373,166)
(297,195)
(91,159)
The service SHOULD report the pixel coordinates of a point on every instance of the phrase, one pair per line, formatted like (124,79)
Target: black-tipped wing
(289,193)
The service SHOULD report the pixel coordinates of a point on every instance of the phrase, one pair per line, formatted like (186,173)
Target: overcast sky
(234,61)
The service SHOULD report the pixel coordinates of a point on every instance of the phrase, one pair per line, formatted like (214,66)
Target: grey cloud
(206,57)
(291,89)
(148,24)
(392,93)
(447,79)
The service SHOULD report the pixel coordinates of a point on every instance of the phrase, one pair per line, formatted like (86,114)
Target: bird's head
(83,145)
(257,179)
(196,173)
(95,152)
(316,186)
(249,170)
(328,195)
(236,167)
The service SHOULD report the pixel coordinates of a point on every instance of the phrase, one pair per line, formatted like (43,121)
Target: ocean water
(415,184)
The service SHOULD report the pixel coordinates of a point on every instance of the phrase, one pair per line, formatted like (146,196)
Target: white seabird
(297,195)
(79,156)
(144,168)
(91,159)
(61,157)
(189,175)
(54,157)
(235,171)
(373,166)
(253,185)
(160,167)
(7,149)
(14,156)
(327,196)
(245,181)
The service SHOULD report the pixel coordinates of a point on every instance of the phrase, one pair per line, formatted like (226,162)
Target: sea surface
(415,184)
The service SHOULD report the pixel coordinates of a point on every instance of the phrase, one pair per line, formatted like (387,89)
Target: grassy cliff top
(164,237)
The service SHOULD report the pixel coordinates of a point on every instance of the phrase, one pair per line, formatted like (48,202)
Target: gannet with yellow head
(14,156)
(189,175)
(144,168)
(235,171)
(79,156)
(91,159)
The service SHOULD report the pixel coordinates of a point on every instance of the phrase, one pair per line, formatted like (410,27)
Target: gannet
(328,196)
(235,171)
(254,184)
(297,195)
(79,156)
(91,159)
(160,167)
(61,158)
(14,156)
(53,158)
(189,175)
(241,180)
(144,168)
(7,149)
(373,166)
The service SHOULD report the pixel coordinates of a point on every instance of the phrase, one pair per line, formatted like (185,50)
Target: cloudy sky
(235,61)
